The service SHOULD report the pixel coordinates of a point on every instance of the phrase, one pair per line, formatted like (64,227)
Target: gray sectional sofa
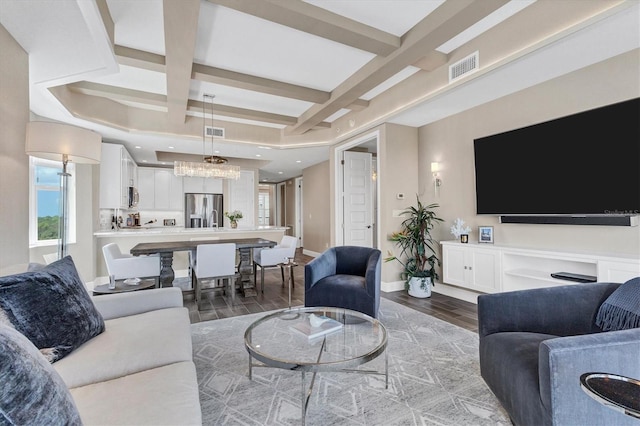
(67,358)
(140,370)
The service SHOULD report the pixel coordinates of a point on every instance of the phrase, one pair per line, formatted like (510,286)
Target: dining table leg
(166,269)
(246,270)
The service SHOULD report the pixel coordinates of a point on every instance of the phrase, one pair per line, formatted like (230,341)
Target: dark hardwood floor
(216,305)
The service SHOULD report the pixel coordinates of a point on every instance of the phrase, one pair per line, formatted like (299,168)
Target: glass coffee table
(276,341)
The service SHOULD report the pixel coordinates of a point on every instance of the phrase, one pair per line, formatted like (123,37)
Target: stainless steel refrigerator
(203,210)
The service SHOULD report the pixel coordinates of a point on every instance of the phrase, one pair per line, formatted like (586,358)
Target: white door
(358,223)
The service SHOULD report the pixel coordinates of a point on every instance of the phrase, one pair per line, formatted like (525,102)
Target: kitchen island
(127,238)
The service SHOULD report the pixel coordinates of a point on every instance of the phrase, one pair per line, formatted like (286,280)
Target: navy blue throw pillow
(31,391)
(51,307)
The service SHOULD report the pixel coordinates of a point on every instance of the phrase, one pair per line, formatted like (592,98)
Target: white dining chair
(124,265)
(214,262)
(274,256)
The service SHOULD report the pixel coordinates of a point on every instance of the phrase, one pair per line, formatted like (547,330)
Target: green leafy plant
(417,255)
(234,215)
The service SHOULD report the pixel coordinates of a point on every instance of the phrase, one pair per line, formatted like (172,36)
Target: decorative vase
(234,224)
(416,290)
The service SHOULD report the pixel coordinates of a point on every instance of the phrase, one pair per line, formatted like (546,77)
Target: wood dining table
(166,250)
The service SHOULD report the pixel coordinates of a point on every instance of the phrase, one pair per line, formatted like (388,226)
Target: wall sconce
(435,168)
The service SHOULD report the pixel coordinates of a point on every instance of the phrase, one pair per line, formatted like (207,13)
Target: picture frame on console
(485,234)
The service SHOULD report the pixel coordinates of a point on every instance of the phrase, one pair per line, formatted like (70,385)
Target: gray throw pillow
(51,307)
(31,391)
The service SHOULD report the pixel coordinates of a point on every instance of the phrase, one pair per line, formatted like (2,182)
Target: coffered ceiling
(289,77)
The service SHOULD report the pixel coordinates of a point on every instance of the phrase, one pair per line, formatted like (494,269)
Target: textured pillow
(31,391)
(621,310)
(51,307)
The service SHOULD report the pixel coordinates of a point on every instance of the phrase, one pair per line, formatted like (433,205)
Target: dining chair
(274,256)
(214,262)
(123,265)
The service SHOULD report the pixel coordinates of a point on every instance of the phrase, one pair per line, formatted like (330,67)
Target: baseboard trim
(456,292)
(391,286)
(310,253)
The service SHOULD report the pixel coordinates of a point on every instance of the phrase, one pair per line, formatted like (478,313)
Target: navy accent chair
(535,344)
(345,277)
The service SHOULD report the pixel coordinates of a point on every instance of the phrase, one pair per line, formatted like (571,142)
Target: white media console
(491,268)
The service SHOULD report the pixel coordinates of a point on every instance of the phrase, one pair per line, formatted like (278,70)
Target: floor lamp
(55,141)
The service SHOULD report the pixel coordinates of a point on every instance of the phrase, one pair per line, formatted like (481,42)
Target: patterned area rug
(434,379)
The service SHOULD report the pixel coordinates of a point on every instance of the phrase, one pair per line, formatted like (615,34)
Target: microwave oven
(134,197)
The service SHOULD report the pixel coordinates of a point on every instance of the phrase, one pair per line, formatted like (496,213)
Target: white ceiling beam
(139,97)
(180,31)
(118,93)
(257,84)
(140,59)
(442,24)
(318,21)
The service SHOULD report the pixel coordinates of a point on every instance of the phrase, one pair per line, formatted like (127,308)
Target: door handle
(368,226)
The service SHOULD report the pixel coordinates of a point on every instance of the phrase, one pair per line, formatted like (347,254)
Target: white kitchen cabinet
(472,267)
(242,196)
(205,185)
(168,190)
(159,189)
(118,172)
(146,188)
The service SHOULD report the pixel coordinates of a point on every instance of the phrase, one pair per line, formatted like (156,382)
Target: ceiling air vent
(216,132)
(464,66)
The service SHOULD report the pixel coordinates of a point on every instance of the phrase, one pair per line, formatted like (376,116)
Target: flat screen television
(583,164)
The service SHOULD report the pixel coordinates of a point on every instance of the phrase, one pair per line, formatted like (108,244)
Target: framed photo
(485,234)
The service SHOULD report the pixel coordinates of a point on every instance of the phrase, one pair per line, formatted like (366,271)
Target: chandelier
(211,166)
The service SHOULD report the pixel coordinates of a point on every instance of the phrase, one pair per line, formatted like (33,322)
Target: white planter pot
(416,290)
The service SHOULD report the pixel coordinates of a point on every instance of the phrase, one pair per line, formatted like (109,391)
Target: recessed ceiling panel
(239,42)
(138,24)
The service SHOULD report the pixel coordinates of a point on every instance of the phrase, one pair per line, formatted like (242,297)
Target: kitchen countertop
(177,230)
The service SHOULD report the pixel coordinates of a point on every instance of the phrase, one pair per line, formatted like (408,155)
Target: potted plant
(417,249)
(233,217)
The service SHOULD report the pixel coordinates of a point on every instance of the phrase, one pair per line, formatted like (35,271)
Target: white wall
(450,142)
(14,163)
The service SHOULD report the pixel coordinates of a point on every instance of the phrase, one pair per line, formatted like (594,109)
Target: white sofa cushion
(129,345)
(161,396)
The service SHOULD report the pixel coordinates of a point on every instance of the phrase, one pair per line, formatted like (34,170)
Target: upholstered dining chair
(345,277)
(274,256)
(214,262)
(124,265)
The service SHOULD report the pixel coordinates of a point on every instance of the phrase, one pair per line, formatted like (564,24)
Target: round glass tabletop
(287,339)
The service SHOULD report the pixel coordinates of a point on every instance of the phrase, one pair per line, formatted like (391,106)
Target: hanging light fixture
(211,166)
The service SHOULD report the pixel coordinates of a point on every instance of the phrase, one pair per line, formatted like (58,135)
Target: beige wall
(14,163)
(14,169)
(450,142)
(316,221)
(397,173)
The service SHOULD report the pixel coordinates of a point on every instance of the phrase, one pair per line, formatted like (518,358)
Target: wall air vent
(464,66)
(216,132)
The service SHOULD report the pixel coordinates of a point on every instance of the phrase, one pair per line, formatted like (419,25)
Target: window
(44,202)
(263,207)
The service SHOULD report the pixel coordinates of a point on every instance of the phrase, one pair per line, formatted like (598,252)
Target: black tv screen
(583,164)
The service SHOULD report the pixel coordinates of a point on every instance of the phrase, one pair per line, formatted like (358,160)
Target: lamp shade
(435,167)
(52,140)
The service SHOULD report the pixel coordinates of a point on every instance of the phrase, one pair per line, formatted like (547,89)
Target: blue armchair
(535,344)
(345,277)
